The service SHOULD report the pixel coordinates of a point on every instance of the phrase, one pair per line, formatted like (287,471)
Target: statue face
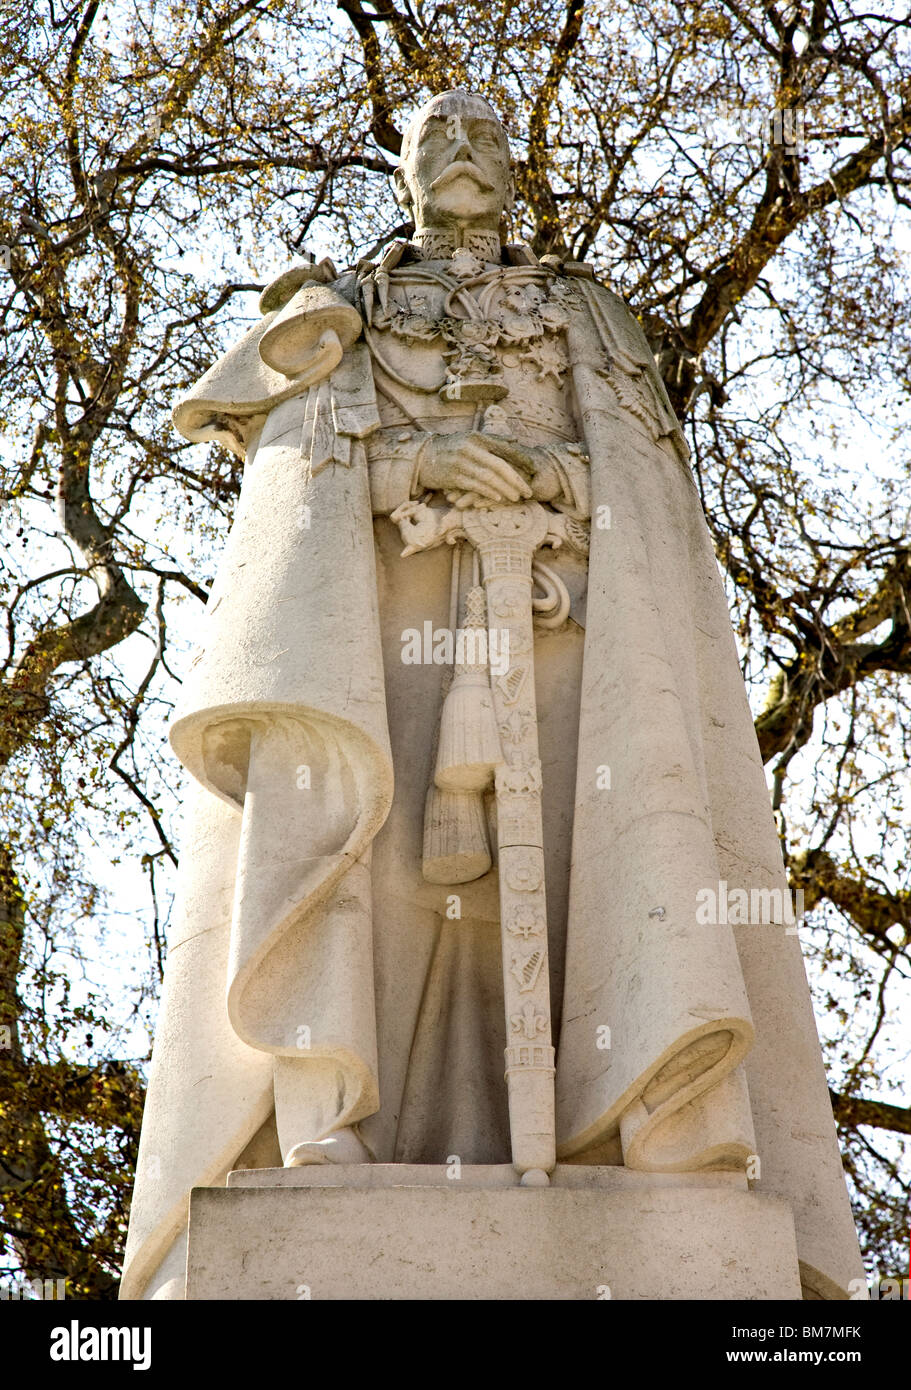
(456,166)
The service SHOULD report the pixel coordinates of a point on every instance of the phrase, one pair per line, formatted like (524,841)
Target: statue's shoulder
(255,374)
(584,272)
(573,270)
(616,321)
(622,336)
(284,287)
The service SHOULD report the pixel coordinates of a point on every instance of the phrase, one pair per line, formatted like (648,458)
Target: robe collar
(439,244)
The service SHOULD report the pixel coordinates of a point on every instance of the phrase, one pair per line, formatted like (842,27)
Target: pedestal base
(405,1232)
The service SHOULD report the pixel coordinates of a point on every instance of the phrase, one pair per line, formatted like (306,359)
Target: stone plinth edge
(594,1234)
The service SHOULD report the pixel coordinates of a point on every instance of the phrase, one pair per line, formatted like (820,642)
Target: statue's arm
(470,466)
(571,471)
(308,323)
(405,463)
(395,455)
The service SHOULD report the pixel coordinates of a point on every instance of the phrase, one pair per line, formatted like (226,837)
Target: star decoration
(548,357)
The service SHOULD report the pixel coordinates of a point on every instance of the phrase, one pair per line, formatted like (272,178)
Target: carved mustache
(461,169)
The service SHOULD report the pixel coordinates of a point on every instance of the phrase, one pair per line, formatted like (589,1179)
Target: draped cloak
(713,1049)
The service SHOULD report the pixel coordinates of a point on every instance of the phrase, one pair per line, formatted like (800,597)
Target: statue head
(455,167)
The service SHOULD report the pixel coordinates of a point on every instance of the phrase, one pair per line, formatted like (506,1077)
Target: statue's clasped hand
(477,470)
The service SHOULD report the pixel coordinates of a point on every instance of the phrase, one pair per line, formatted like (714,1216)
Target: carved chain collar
(519,309)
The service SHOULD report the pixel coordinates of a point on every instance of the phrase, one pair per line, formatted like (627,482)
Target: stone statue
(471,752)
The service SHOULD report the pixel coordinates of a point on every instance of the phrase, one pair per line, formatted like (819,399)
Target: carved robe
(348,980)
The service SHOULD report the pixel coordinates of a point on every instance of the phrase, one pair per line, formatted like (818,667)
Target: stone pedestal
(408,1232)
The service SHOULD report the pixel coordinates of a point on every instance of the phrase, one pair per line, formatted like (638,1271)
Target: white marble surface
(328,992)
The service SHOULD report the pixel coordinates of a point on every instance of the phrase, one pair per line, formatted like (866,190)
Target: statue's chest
(493,342)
